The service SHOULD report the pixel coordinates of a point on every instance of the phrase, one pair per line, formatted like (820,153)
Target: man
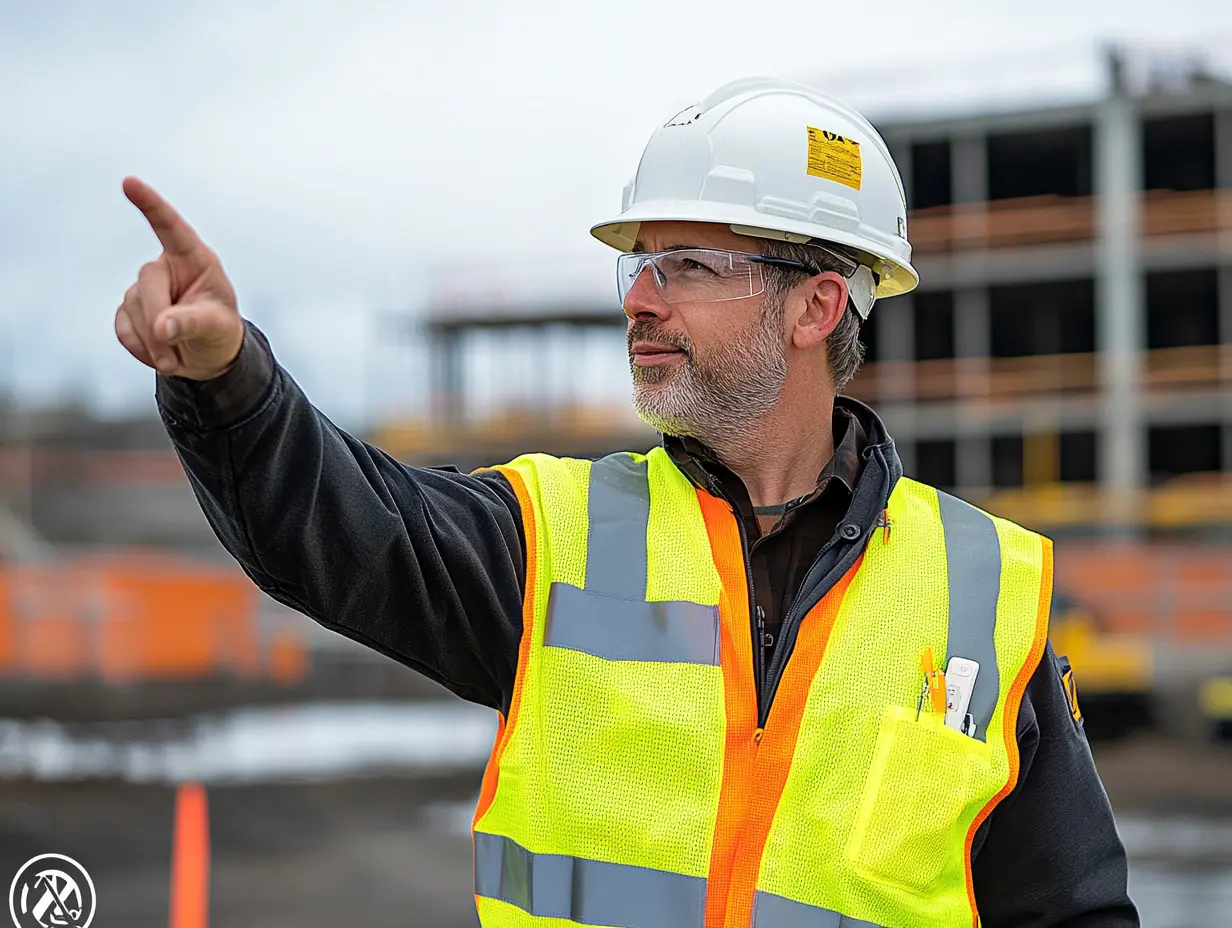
(755,677)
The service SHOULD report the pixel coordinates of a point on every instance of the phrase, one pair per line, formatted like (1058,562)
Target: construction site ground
(394,850)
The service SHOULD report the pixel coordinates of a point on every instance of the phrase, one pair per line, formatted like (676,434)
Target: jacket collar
(866,462)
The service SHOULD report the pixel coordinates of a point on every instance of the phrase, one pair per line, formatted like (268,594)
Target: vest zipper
(779,659)
(760,643)
(755,613)
(755,621)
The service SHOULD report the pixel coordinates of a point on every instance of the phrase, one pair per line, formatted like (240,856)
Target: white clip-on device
(960,676)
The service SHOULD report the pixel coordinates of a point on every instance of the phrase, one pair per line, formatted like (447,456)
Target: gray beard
(722,398)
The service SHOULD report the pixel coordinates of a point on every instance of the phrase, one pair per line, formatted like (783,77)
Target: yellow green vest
(630,786)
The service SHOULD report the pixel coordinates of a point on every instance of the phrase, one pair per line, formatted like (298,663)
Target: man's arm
(1050,855)
(424,565)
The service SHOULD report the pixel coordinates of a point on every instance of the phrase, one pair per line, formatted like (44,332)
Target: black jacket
(427,566)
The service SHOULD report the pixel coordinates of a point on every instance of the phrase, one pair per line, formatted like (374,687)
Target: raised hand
(180,317)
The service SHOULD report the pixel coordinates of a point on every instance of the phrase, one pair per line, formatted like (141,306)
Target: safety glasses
(700,275)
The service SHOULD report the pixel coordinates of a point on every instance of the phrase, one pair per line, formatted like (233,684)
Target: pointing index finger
(176,235)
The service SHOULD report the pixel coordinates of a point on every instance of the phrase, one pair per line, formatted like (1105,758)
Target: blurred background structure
(1067,363)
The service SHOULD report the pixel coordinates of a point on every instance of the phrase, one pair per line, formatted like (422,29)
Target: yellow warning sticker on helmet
(834,157)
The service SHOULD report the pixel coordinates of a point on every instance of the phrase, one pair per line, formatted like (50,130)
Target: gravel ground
(358,852)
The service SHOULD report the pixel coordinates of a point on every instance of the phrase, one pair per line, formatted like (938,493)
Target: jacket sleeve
(423,565)
(1050,855)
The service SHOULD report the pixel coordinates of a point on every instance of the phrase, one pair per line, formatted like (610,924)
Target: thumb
(206,337)
(205,321)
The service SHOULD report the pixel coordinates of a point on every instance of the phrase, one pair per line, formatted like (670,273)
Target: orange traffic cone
(190,859)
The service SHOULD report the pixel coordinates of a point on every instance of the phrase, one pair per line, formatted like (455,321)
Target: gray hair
(844,350)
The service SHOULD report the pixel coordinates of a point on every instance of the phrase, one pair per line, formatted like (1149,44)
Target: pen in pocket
(934,685)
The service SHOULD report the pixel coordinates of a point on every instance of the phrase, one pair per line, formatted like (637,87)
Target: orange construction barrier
(52,640)
(1174,592)
(128,616)
(288,662)
(8,626)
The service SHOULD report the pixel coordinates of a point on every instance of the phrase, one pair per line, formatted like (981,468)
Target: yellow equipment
(1115,672)
(1215,701)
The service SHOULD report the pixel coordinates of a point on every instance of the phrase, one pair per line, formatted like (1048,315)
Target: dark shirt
(779,558)
(427,565)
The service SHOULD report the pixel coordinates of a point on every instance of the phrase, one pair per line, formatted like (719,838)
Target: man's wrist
(227,398)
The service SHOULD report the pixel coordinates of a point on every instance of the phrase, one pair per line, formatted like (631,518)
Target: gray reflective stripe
(610,618)
(771,911)
(621,630)
(619,504)
(973,552)
(588,892)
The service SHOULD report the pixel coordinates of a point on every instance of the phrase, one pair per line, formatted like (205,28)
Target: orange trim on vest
(740,700)
(1013,702)
(487,787)
(487,791)
(774,753)
(756,762)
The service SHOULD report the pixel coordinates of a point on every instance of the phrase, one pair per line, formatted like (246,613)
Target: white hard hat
(779,160)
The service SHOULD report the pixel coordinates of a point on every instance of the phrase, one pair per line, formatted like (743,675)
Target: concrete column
(896,329)
(972,324)
(969,169)
(1120,303)
(1225,305)
(973,349)
(896,349)
(973,461)
(1223,181)
(1225,339)
(1223,148)
(445,362)
(969,189)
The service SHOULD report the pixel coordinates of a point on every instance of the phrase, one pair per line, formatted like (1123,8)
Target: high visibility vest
(630,785)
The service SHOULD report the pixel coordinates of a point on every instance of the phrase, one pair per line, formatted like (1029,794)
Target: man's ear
(825,298)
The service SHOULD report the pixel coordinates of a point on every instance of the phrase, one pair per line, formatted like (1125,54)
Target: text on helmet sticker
(833,157)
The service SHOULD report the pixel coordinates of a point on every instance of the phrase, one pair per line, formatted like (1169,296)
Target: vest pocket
(924,788)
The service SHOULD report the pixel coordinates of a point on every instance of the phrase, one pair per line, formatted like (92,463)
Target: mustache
(645,330)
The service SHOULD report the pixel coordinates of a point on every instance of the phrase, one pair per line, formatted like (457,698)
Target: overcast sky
(344,157)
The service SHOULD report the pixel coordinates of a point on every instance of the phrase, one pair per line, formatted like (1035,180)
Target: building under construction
(1074,321)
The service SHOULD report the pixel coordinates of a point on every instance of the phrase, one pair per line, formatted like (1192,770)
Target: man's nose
(644,300)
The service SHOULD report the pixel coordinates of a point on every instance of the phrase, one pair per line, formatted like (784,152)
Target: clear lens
(692,275)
